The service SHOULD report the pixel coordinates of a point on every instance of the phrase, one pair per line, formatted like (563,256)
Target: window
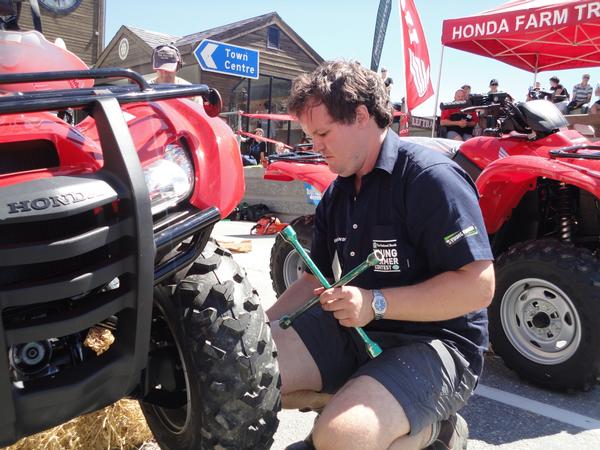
(273,37)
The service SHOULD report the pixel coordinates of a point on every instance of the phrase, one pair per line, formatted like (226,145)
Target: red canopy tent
(534,35)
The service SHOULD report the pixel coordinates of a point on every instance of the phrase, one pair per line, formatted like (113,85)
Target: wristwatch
(379,304)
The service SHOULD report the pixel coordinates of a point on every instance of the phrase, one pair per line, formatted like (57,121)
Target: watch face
(379,303)
(60,6)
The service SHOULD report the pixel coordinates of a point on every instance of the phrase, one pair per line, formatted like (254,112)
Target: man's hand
(350,305)
(462,123)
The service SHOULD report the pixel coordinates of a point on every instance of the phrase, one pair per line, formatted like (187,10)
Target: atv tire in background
(227,378)
(286,264)
(543,319)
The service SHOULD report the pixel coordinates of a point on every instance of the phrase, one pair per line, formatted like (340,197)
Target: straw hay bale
(119,426)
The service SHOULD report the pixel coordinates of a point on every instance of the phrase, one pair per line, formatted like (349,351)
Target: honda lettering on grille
(52,201)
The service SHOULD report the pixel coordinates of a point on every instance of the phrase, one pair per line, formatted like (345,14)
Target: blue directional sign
(229,59)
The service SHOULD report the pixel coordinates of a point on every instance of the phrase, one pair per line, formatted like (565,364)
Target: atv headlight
(170,179)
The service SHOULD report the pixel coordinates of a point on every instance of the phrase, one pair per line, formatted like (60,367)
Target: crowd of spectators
(458,125)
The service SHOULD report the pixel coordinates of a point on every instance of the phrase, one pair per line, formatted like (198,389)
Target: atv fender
(504,182)
(317,175)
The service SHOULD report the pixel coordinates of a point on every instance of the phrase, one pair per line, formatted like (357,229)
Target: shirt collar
(388,155)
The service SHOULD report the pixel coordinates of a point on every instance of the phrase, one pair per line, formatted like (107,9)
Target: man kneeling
(424,303)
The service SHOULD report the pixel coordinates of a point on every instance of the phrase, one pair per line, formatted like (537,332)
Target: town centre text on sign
(229,59)
(231,62)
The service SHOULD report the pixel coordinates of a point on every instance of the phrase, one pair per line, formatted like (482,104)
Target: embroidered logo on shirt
(453,238)
(339,239)
(389,255)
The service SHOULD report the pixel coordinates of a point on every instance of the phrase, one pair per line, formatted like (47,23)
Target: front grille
(27,155)
(75,251)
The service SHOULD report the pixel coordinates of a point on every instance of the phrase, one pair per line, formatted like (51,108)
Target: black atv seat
(543,116)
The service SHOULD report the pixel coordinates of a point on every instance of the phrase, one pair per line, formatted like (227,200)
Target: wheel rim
(540,321)
(293,267)
(176,420)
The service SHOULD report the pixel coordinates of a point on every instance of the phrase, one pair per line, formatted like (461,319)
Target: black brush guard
(97,381)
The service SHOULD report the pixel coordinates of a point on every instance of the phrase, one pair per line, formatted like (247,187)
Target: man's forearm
(294,297)
(443,297)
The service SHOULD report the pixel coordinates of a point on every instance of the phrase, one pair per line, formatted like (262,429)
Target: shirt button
(352,253)
(355,226)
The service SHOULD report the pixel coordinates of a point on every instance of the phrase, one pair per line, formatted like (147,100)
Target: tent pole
(537,55)
(437,92)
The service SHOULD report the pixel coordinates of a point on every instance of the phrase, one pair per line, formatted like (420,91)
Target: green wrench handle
(288,233)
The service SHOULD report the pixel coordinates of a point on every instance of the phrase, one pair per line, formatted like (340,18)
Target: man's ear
(362,115)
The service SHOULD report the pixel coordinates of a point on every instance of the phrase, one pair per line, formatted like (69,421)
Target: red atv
(539,187)
(106,225)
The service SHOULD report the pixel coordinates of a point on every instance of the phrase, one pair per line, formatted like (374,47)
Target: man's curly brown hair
(342,86)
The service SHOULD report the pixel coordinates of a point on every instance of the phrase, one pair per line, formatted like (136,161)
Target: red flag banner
(417,69)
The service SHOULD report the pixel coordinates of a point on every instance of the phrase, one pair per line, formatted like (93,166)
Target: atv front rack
(573,152)
(305,157)
(79,250)
(32,101)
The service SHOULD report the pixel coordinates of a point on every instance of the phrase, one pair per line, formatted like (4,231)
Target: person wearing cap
(386,80)
(166,61)
(582,94)
(493,87)
(535,92)
(560,96)
(467,90)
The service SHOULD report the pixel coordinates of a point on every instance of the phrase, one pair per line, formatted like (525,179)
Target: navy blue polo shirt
(421,210)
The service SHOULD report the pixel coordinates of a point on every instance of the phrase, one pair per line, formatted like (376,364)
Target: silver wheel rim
(293,267)
(540,321)
(176,420)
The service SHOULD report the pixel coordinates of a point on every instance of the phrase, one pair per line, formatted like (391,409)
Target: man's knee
(347,431)
(296,365)
(363,414)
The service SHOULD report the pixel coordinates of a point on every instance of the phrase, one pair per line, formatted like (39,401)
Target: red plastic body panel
(502,184)
(25,52)
(485,149)
(219,179)
(317,175)
(512,164)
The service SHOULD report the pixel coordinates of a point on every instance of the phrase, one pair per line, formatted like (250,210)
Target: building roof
(224,32)
(152,38)
(241,24)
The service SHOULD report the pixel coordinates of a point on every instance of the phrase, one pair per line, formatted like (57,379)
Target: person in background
(459,125)
(280,148)
(534,92)
(256,149)
(467,90)
(387,81)
(595,108)
(582,94)
(166,61)
(494,87)
(560,96)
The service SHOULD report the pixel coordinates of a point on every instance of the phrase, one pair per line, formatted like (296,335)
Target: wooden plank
(585,119)
(80,29)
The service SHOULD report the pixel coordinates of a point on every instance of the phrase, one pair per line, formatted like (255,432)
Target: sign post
(228,59)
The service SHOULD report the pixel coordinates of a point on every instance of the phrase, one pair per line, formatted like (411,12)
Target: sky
(344,29)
